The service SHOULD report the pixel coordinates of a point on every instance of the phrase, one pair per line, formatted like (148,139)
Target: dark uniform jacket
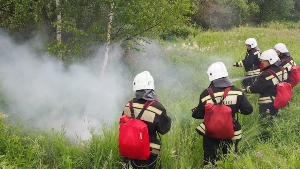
(266,84)
(235,99)
(155,117)
(287,62)
(251,62)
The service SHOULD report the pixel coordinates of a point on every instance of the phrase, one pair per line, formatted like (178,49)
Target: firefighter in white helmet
(250,63)
(155,116)
(283,53)
(236,100)
(265,86)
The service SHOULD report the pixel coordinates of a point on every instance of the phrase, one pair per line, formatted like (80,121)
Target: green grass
(179,91)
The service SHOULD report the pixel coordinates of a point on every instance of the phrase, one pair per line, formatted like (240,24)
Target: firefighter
(250,63)
(155,116)
(236,100)
(287,61)
(266,83)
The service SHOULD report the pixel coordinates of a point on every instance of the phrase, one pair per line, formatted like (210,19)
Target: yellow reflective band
(155,110)
(147,116)
(237,135)
(253,72)
(201,128)
(154,151)
(269,77)
(219,94)
(156,146)
(248,89)
(235,93)
(137,105)
(287,66)
(240,63)
(257,52)
(264,100)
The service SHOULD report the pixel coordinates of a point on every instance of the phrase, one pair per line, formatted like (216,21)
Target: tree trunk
(58,30)
(108,39)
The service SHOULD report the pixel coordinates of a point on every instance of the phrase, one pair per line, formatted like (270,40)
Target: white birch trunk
(58,30)
(108,39)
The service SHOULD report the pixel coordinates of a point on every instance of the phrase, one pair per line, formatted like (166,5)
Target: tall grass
(182,146)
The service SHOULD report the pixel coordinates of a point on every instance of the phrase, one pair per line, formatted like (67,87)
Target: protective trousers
(149,163)
(212,147)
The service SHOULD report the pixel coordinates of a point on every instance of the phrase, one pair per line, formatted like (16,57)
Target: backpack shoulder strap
(290,61)
(146,105)
(211,93)
(272,73)
(226,91)
(131,108)
(223,97)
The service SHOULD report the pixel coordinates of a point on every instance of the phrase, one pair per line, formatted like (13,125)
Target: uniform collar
(222,82)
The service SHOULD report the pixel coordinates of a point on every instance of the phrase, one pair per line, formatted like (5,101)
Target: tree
(224,14)
(83,23)
(277,10)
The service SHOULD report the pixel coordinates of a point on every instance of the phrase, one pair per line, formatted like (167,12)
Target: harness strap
(274,74)
(210,91)
(293,64)
(146,105)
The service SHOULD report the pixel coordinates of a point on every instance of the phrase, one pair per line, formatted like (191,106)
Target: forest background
(66,69)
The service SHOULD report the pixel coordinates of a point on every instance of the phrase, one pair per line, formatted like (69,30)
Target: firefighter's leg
(145,164)
(210,150)
(226,145)
(267,113)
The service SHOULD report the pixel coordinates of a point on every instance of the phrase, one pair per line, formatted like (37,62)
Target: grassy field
(179,70)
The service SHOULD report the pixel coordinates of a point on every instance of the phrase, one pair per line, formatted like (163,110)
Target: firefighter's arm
(259,86)
(250,59)
(198,112)
(164,123)
(238,64)
(245,106)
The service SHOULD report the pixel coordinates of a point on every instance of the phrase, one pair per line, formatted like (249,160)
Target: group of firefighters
(257,79)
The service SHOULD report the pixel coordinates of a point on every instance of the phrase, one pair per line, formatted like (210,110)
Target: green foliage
(84,23)
(181,32)
(225,14)
(278,10)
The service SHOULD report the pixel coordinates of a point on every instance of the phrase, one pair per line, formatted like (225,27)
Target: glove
(247,90)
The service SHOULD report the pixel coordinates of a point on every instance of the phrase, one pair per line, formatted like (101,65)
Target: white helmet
(216,71)
(281,48)
(269,55)
(252,42)
(143,81)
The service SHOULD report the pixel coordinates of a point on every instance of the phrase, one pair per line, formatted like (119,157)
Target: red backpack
(218,118)
(294,74)
(284,91)
(133,138)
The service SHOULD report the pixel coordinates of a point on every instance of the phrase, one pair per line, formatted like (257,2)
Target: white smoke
(44,95)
